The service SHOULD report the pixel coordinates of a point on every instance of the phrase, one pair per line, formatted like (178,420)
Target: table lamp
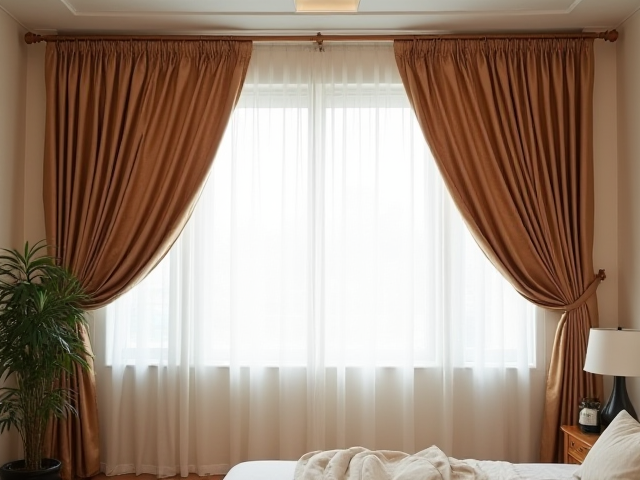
(614,352)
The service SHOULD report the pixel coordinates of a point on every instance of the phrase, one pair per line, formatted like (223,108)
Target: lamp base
(618,401)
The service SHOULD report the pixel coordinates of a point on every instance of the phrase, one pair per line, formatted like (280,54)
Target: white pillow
(616,454)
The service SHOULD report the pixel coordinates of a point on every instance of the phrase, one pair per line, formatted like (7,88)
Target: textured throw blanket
(358,463)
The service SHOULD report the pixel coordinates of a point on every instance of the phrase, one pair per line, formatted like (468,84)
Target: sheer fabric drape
(510,125)
(324,294)
(131,130)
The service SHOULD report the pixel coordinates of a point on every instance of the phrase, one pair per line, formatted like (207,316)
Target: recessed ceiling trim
(627,17)
(14,18)
(279,16)
(316,7)
(71,8)
(574,5)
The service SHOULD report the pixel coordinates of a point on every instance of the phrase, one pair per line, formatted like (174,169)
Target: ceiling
(265,17)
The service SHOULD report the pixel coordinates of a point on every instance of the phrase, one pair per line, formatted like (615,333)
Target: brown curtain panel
(74,440)
(509,122)
(132,128)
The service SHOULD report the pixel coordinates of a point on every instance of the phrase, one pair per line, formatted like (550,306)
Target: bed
(615,455)
(284,470)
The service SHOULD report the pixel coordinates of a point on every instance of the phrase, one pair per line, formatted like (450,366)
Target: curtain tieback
(591,289)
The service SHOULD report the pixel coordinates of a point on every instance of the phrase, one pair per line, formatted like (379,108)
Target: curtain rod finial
(30,38)
(610,35)
(319,40)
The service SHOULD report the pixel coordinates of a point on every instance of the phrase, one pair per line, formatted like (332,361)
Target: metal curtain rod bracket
(608,35)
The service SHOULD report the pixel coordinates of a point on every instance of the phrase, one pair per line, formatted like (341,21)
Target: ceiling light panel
(333,6)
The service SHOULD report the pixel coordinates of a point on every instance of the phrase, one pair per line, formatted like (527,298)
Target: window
(324,234)
(324,294)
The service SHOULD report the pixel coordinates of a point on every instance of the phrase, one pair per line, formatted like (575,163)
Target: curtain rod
(609,36)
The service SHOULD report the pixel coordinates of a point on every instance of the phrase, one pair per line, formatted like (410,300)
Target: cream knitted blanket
(358,463)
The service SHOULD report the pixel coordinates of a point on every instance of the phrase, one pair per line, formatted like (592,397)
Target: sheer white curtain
(325,294)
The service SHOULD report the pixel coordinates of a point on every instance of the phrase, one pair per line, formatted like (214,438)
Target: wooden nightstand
(577,443)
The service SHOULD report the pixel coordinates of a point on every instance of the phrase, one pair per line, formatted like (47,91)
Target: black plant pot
(15,470)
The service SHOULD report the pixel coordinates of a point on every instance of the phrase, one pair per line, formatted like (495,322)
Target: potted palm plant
(41,312)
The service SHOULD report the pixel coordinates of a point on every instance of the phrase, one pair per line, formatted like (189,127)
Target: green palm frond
(41,316)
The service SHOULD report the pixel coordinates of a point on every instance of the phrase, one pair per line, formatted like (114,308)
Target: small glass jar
(589,415)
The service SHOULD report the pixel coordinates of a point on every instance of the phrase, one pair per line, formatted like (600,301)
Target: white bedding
(285,469)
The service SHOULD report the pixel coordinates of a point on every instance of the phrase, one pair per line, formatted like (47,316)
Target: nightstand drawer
(578,449)
(577,444)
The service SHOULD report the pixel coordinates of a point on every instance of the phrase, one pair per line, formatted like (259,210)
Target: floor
(145,476)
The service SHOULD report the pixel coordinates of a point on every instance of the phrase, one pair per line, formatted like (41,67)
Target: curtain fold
(74,440)
(131,131)
(510,124)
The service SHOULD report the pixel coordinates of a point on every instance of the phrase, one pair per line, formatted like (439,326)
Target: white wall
(605,247)
(628,76)
(13,75)
(605,124)
(33,227)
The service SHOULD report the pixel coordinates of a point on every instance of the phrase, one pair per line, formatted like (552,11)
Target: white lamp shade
(613,352)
